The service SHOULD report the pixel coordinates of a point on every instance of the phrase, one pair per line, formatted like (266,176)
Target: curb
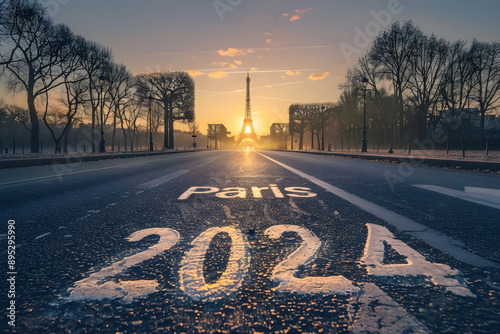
(459,164)
(22,163)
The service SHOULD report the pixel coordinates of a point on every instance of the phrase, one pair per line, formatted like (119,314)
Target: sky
(296,51)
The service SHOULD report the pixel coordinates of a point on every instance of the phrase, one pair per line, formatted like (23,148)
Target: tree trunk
(171,132)
(92,130)
(66,137)
(114,131)
(35,125)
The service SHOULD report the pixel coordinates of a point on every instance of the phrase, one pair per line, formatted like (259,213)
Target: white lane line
(43,235)
(162,180)
(483,196)
(431,237)
(206,163)
(82,218)
(67,173)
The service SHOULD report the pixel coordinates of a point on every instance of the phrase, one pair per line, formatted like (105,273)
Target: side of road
(492,166)
(69,159)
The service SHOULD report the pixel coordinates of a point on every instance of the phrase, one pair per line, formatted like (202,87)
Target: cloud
(294,18)
(195,73)
(253,68)
(218,75)
(233,66)
(319,76)
(286,15)
(232,52)
(239,62)
(250,51)
(300,11)
(268,34)
(292,73)
(269,40)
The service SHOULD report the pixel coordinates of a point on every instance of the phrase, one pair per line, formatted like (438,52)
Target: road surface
(249,242)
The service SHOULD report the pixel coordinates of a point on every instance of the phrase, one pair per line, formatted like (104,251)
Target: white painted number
(191,279)
(417,265)
(284,273)
(192,282)
(98,286)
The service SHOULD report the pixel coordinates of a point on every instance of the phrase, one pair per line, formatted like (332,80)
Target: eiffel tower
(247,131)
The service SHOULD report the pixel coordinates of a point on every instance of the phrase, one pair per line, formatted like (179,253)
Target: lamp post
(102,145)
(364,146)
(151,146)
(323,108)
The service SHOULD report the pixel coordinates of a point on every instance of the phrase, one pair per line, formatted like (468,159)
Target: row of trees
(416,80)
(68,79)
(417,85)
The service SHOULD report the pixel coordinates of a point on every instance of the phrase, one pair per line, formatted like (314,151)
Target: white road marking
(98,286)
(206,163)
(43,235)
(483,196)
(431,237)
(375,312)
(155,183)
(82,218)
(191,279)
(69,173)
(439,274)
(285,272)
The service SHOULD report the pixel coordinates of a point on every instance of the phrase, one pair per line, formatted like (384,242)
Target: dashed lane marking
(43,235)
(65,174)
(433,238)
(156,182)
(206,163)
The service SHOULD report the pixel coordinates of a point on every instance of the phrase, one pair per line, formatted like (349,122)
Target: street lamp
(151,148)
(102,145)
(323,108)
(364,146)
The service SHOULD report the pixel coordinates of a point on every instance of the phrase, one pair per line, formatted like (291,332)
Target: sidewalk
(19,160)
(473,160)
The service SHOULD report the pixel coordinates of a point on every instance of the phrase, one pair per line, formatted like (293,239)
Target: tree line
(67,79)
(417,86)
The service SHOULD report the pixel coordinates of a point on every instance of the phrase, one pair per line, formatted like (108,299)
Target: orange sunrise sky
(294,49)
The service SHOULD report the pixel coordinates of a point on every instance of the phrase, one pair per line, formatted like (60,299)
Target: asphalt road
(249,242)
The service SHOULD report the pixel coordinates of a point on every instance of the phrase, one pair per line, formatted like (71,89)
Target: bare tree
(96,61)
(121,91)
(486,66)
(393,50)
(19,114)
(35,65)
(298,123)
(130,116)
(428,66)
(174,92)
(69,67)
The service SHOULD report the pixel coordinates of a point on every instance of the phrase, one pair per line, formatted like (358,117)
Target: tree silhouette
(174,92)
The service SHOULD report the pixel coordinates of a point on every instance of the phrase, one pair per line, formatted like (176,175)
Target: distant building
(467,123)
